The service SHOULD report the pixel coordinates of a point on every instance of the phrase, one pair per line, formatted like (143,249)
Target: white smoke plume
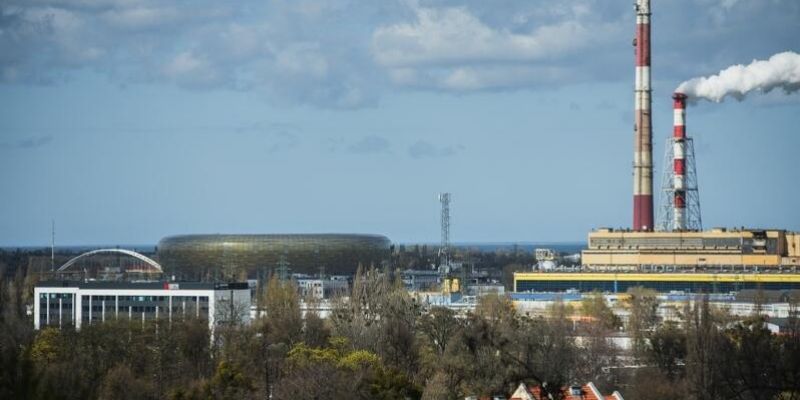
(781,71)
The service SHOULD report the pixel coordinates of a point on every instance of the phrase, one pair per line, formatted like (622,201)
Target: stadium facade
(218,256)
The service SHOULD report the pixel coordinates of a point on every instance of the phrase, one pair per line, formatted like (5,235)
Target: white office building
(75,303)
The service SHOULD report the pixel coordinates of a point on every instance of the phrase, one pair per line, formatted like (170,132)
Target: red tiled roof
(588,392)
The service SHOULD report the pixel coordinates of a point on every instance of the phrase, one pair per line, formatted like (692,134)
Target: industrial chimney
(679,161)
(680,195)
(643,136)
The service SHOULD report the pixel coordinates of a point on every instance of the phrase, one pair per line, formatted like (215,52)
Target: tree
(120,383)
(315,330)
(439,325)
(667,349)
(339,372)
(704,347)
(642,305)
(230,382)
(16,335)
(594,305)
(750,367)
(284,317)
(379,316)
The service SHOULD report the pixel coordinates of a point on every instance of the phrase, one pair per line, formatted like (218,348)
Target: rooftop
(143,285)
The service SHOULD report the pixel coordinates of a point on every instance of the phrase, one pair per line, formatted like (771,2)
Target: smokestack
(643,135)
(679,161)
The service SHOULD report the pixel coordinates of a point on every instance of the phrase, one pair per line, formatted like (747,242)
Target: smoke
(781,71)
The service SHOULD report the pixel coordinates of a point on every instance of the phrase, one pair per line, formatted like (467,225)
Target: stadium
(209,257)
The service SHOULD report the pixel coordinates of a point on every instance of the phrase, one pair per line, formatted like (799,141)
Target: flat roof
(144,285)
(657,276)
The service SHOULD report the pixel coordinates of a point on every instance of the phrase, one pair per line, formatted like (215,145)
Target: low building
(610,249)
(75,303)
(686,282)
(322,288)
(419,280)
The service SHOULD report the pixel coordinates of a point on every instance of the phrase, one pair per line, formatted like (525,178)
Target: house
(575,392)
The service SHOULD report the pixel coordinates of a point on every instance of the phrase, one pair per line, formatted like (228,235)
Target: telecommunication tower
(283,270)
(444,247)
(52,245)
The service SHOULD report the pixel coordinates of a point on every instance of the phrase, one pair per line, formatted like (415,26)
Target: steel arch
(131,253)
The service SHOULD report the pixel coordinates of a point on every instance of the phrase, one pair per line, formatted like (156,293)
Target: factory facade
(715,249)
(688,282)
(73,303)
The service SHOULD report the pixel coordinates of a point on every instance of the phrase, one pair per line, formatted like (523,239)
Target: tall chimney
(679,161)
(643,136)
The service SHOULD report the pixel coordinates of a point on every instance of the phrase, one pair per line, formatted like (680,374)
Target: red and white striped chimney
(643,135)
(679,161)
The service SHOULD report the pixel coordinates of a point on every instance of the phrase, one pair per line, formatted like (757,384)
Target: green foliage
(642,305)
(47,347)
(667,349)
(594,305)
(284,322)
(229,382)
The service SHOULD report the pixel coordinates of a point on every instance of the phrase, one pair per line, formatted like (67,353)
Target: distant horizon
(430,243)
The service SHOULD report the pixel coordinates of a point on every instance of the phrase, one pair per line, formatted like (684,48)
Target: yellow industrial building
(624,250)
(715,261)
(689,282)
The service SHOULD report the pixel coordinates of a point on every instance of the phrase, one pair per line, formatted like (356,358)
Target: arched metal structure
(131,253)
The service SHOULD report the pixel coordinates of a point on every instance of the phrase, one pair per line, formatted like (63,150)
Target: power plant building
(688,282)
(620,250)
(210,257)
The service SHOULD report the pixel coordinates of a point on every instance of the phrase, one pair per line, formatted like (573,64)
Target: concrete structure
(421,280)
(75,303)
(643,135)
(212,257)
(660,282)
(616,250)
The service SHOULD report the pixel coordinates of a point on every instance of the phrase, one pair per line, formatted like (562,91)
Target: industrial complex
(680,256)
(769,250)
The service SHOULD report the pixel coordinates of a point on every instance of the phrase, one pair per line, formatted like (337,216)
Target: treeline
(381,344)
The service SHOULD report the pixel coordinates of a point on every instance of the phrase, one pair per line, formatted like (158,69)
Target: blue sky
(130,120)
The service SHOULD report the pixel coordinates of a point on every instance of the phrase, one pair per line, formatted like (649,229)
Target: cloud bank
(346,53)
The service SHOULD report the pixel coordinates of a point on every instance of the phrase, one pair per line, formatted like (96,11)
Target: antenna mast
(444,247)
(52,245)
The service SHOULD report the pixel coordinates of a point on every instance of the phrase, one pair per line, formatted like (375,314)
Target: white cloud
(455,36)
(141,17)
(452,49)
(345,53)
(190,70)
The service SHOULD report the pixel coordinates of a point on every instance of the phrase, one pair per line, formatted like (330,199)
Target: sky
(126,121)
